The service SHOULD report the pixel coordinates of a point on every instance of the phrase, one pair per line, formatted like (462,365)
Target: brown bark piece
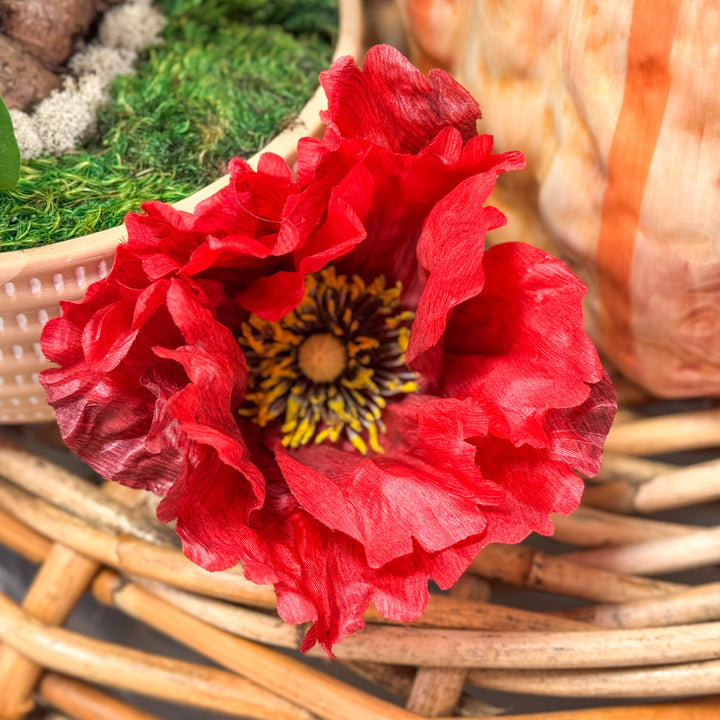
(23,80)
(48,30)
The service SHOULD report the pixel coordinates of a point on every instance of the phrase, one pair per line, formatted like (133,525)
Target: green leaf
(9,153)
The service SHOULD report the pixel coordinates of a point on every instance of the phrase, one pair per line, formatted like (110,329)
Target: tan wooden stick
(702,678)
(320,694)
(398,680)
(525,567)
(84,702)
(446,611)
(73,494)
(60,582)
(625,414)
(268,629)
(168,565)
(395,679)
(603,648)
(688,710)
(655,557)
(590,527)
(153,675)
(428,648)
(692,710)
(129,554)
(235,619)
(56,588)
(628,467)
(22,539)
(677,488)
(685,710)
(694,605)
(668,433)
(436,690)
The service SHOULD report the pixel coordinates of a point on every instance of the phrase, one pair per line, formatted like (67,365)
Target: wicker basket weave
(624,629)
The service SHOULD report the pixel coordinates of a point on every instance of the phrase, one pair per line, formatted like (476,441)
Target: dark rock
(23,79)
(48,29)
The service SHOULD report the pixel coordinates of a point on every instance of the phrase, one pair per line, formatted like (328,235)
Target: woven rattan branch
(84,702)
(638,637)
(161,677)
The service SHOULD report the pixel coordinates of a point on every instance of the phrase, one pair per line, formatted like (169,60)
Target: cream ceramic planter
(33,282)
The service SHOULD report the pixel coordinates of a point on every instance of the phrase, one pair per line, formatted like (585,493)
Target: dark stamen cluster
(328,367)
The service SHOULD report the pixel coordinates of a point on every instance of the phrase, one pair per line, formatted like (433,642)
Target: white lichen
(103,61)
(68,115)
(134,26)
(28,140)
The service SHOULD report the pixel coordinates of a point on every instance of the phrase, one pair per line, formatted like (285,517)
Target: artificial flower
(327,376)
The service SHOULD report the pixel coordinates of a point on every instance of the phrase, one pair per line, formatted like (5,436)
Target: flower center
(322,358)
(328,367)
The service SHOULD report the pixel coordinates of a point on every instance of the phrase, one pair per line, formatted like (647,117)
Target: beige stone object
(33,282)
(616,105)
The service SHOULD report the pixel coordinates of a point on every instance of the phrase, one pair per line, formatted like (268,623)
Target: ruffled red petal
(322,575)
(393,105)
(520,344)
(389,503)
(450,257)
(539,481)
(405,189)
(172,377)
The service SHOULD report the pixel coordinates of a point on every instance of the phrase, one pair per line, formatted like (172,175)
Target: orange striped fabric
(647,85)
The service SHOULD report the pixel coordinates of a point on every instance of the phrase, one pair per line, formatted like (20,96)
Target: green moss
(226,79)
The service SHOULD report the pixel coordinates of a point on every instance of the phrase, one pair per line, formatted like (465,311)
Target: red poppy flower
(327,377)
